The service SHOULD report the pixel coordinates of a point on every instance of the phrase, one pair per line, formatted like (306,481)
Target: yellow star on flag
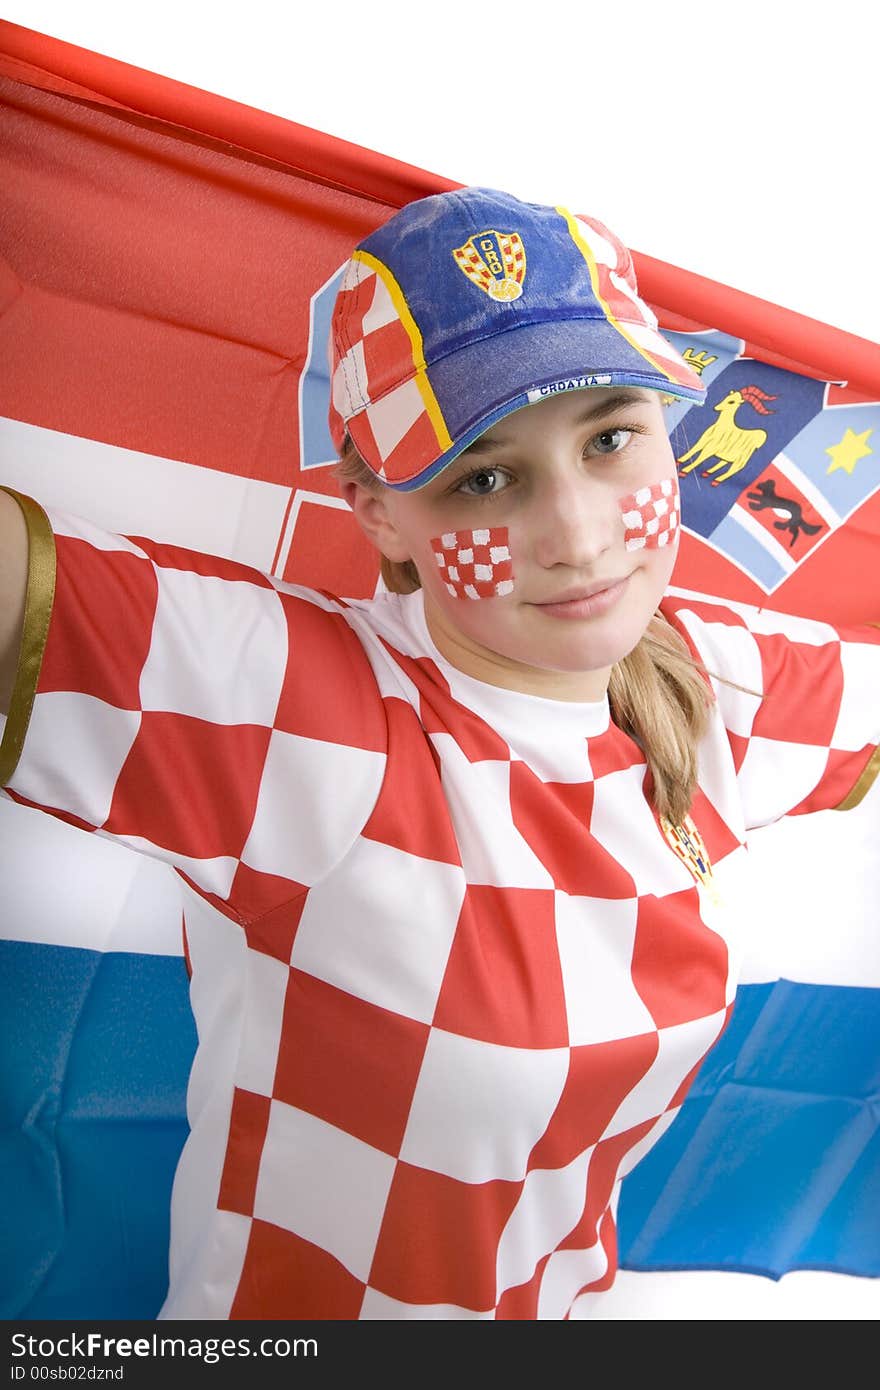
(851,448)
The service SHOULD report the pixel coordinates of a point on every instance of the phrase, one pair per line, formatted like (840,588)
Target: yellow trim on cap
(37,611)
(577,238)
(432,405)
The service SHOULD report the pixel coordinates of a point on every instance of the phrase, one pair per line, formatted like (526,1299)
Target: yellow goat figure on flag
(727,441)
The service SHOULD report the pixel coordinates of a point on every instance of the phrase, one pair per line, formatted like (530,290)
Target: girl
(460,860)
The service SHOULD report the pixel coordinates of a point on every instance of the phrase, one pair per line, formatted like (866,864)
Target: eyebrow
(609,405)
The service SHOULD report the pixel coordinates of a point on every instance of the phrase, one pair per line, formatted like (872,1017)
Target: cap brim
(482,383)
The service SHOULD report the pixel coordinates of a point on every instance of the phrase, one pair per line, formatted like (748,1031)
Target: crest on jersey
(495,262)
(687,842)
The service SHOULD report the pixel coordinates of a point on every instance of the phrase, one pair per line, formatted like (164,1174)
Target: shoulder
(691,610)
(716,633)
(729,631)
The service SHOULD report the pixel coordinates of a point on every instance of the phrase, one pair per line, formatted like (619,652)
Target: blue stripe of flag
(773,1163)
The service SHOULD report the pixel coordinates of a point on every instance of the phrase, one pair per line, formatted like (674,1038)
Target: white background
(738,141)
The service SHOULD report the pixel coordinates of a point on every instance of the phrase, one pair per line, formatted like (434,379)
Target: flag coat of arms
(168,267)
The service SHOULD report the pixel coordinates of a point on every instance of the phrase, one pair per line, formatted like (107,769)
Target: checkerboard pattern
(651,515)
(404,419)
(451,981)
(614,271)
(805,727)
(475,564)
(401,424)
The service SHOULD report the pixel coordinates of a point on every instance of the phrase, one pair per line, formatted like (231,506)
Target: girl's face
(560,478)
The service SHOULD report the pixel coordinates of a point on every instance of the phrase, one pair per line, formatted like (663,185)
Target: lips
(585,591)
(586,602)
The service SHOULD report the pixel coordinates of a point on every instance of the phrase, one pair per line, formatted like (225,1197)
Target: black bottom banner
(259,1354)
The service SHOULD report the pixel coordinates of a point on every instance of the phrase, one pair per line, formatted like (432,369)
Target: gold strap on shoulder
(865,781)
(868,776)
(37,611)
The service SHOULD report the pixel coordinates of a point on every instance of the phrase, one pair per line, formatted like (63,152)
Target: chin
(595,648)
(583,663)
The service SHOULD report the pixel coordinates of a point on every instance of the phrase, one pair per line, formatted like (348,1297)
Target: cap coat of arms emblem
(495,262)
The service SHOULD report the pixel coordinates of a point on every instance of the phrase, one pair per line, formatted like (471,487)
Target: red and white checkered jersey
(451,974)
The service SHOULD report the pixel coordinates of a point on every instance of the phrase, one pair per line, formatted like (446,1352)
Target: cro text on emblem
(487,246)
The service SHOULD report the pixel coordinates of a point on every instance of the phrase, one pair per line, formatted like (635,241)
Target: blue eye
(611,441)
(483,483)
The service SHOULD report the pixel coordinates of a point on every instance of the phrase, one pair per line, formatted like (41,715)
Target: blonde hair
(658,694)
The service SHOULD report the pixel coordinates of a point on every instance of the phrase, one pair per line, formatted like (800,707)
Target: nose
(576,522)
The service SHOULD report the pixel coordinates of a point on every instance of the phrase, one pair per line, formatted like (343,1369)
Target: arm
(13,584)
(802,717)
(169,698)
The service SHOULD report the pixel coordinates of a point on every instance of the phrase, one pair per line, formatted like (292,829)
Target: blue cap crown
(466,306)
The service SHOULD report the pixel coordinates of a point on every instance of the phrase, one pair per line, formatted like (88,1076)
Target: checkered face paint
(475,564)
(651,516)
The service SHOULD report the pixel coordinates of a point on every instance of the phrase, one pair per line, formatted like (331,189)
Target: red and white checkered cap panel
(651,516)
(476,563)
(375,390)
(631,314)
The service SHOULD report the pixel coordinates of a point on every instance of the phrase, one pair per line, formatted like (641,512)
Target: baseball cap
(468,305)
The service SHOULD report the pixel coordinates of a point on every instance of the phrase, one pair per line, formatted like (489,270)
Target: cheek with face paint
(475,564)
(651,516)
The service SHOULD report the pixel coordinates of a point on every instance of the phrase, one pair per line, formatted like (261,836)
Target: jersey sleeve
(193,709)
(800,701)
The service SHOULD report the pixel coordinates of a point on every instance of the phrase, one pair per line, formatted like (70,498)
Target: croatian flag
(168,268)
